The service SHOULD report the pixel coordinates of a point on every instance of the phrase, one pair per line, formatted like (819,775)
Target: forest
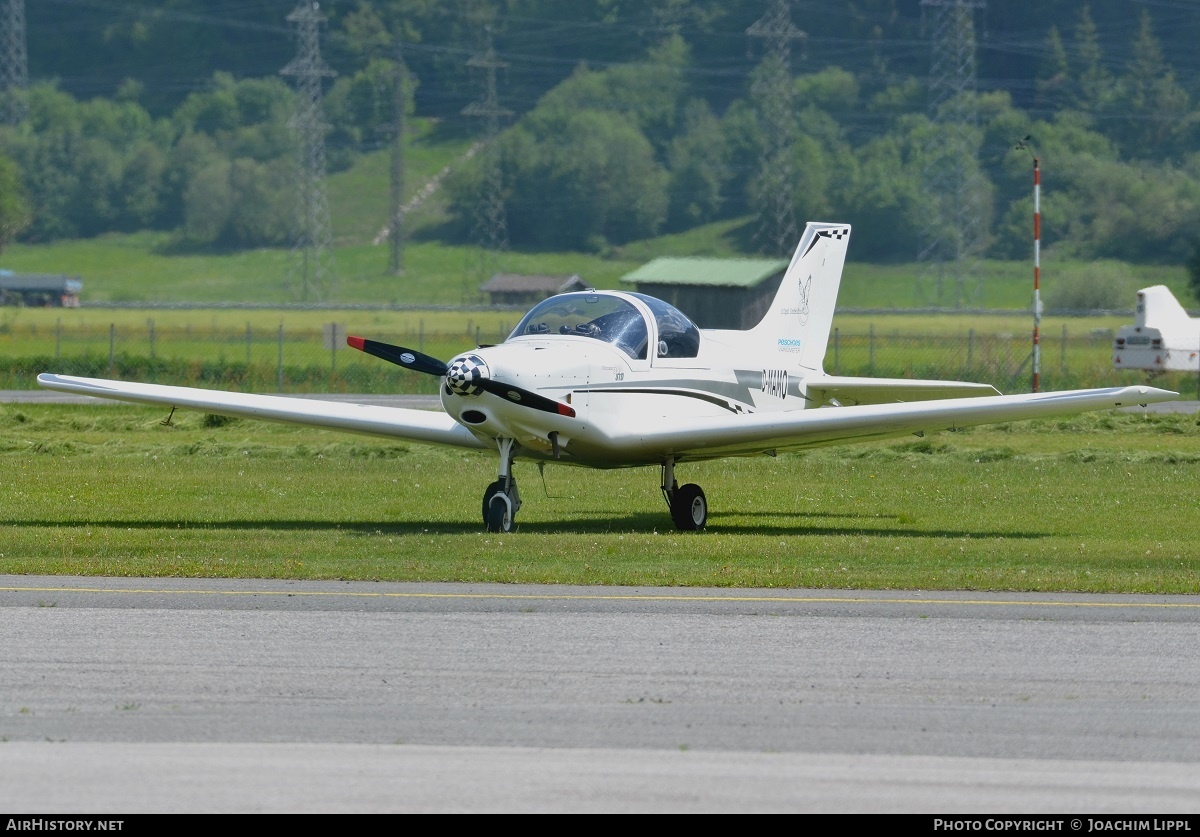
(619,121)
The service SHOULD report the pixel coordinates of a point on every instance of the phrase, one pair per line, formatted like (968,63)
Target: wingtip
(355,342)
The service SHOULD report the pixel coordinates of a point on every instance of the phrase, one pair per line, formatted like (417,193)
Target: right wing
(392,422)
(649,438)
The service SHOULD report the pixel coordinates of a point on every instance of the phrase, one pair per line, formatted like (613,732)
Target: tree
(651,93)
(1093,84)
(1054,71)
(1155,119)
(14,204)
(881,196)
(573,179)
(698,161)
(1193,270)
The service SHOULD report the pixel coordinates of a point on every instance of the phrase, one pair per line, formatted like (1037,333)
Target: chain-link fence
(291,359)
(1006,361)
(262,358)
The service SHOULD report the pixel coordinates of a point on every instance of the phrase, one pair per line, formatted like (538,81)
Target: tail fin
(798,322)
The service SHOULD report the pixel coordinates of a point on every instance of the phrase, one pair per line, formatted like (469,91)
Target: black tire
(689,508)
(498,517)
(492,490)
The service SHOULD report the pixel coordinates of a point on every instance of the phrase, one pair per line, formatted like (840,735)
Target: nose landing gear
(501,500)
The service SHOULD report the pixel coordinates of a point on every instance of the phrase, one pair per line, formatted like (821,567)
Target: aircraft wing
(846,392)
(768,432)
(393,422)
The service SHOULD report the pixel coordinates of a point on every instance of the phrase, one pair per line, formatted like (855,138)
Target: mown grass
(1101,503)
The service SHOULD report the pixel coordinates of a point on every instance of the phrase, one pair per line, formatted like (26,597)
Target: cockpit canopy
(614,319)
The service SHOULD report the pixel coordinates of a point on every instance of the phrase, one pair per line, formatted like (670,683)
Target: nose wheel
(501,500)
(500,506)
(688,505)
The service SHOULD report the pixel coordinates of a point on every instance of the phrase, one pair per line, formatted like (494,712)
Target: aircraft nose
(464,374)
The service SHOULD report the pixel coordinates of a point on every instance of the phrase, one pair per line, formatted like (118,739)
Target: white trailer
(1163,338)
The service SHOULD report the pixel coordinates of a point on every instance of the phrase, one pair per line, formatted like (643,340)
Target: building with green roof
(715,293)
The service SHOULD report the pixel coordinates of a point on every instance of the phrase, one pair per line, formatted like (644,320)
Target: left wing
(393,422)
(767,432)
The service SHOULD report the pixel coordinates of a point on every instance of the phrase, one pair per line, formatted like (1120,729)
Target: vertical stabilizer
(798,322)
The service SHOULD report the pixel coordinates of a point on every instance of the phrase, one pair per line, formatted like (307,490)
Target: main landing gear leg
(688,505)
(501,500)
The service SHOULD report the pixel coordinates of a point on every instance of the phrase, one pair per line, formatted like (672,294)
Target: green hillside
(150,268)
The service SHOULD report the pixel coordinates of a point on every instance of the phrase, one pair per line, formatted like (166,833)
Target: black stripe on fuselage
(725,403)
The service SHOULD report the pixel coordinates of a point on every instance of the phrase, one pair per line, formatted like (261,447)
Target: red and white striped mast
(1037,262)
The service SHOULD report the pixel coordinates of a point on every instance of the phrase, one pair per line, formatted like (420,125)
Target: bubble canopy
(613,318)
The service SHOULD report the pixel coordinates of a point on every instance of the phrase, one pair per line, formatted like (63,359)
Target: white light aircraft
(608,379)
(1163,338)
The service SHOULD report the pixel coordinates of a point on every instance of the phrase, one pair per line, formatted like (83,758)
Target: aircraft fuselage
(610,392)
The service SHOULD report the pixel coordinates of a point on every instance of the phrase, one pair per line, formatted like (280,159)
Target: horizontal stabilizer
(846,392)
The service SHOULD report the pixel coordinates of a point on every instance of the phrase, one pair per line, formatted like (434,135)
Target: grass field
(1104,502)
(145,267)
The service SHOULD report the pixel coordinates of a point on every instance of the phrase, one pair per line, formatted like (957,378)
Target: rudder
(798,322)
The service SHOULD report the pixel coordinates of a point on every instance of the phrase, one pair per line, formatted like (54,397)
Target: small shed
(523,289)
(715,293)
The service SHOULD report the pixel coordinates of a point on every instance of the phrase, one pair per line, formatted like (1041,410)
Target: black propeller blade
(526,398)
(399,355)
(419,362)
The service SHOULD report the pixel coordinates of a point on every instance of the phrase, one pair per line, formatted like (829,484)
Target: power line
(491,227)
(14,64)
(312,272)
(396,231)
(952,225)
(778,229)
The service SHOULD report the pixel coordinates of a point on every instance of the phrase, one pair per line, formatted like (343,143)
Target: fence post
(837,367)
(279,374)
(249,343)
(151,322)
(112,339)
(970,349)
(1062,361)
(58,339)
(871,350)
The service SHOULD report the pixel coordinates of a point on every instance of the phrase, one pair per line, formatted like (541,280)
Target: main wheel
(689,508)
